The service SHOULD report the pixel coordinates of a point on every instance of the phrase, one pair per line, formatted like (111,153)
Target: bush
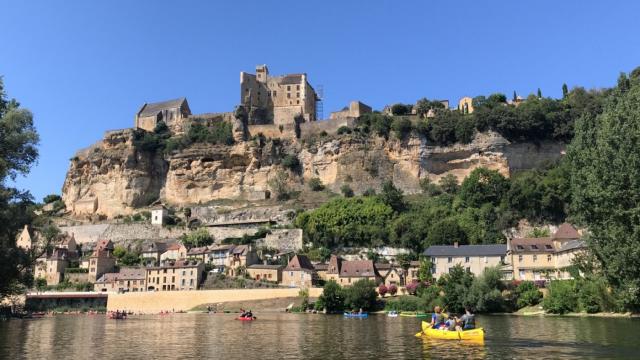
(343,130)
(315,184)
(291,162)
(51,198)
(403,303)
(382,290)
(401,127)
(527,294)
(393,289)
(562,297)
(346,191)
(198,238)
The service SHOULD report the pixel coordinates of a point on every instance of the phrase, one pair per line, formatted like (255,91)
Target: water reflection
(289,336)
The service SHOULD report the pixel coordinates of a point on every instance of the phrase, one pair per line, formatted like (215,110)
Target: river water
(306,336)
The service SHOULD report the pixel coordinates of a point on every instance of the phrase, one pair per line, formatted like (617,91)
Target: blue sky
(84,67)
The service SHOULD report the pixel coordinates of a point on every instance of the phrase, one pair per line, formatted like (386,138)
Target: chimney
(455,244)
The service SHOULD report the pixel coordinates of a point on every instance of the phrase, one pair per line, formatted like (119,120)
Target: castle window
(288,95)
(297,87)
(298,102)
(288,88)
(297,95)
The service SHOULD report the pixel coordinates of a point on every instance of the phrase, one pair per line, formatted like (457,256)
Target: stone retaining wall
(154,302)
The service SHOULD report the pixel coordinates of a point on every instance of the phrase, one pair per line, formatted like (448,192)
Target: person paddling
(467,321)
(437,319)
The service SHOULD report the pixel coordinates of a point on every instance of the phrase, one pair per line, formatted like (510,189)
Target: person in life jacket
(437,319)
(468,320)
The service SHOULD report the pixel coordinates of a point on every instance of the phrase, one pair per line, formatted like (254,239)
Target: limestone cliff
(115,176)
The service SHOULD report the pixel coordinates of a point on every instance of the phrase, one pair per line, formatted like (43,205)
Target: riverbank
(268,305)
(539,311)
(172,301)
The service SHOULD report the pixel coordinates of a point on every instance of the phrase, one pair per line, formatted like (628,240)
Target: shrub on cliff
(315,184)
(346,191)
(291,162)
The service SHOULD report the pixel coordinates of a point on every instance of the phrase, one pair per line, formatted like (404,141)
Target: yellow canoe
(428,331)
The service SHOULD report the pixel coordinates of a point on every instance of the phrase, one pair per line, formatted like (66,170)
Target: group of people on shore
(441,321)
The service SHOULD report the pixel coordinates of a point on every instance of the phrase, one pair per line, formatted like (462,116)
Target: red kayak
(246,318)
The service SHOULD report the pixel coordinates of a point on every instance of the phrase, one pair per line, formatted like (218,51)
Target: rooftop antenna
(319,103)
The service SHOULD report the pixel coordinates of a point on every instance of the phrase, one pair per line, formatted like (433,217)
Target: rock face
(115,176)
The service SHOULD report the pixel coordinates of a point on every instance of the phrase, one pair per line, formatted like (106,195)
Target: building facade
(299,273)
(546,258)
(128,279)
(271,273)
(465,105)
(171,112)
(277,100)
(175,275)
(473,258)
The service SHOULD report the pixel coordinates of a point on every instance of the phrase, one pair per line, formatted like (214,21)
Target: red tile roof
(358,268)
(566,232)
(299,262)
(523,245)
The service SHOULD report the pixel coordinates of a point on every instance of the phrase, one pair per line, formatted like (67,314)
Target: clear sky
(84,67)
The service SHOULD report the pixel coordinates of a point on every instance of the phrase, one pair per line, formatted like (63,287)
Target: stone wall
(273,131)
(329,126)
(282,240)
(154,302)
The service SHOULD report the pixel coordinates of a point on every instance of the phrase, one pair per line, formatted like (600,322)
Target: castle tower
(262,73)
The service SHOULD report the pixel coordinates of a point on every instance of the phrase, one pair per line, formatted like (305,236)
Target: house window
(274,93)
(433,260)
(290,273)
(298,102)
(288,88)
(519,247)
(468,269)
(298,95)
(450,260)
(297,87)
(522,273)
(519,257)
(486,259)
(535,258)
(548,247)
(288,95)
(548,258)
(534,247)
(466,259)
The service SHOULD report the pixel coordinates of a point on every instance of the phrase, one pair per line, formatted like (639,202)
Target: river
(305,336)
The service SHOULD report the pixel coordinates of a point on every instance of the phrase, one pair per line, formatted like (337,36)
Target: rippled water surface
(290,336)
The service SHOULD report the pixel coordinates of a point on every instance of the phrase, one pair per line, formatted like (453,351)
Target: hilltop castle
(277,100)
(268,100)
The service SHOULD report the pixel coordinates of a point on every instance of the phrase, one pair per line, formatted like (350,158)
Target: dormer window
(548,247)
(534,247)
(519,247)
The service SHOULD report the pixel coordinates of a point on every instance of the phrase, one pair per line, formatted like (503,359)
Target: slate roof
(528,245)
(566,232)
(127,273)
(466,250)
(154,246)
(291,79)
(267,267)
(572,245)
(152,109)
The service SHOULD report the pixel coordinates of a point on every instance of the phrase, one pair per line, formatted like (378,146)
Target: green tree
(485,294)
(18,151)
(279,185)
(539,93)
(332,298)
(51,198)
(402,127)
(483,186)
(424,271)
(605,187)
(455,285)
(392,196)
(446,232)
(197,238)
(449,184)
(562,297)
(565,91)
(361,295)
(527,294)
